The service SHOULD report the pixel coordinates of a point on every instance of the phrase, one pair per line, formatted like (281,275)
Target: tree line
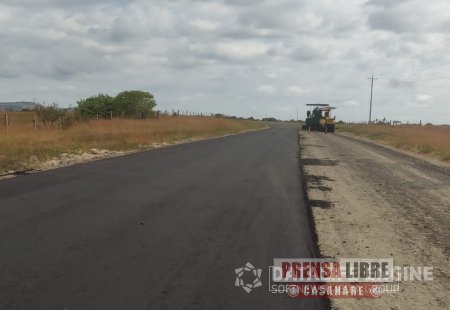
(129,104)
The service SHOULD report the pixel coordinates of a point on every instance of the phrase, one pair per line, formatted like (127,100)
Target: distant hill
(17,106)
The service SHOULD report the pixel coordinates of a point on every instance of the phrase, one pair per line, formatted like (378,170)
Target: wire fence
(30,120)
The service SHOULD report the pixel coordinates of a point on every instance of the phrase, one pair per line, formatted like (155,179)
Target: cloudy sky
(238,57)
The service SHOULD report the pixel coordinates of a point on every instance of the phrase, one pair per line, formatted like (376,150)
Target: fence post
(60,124)
(34,121)
(6,122)
(110,113)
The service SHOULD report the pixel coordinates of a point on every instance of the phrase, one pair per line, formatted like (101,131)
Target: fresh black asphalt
(160,229)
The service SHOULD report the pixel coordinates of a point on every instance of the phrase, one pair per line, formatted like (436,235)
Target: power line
(414,69)
(418,80)
(435,78)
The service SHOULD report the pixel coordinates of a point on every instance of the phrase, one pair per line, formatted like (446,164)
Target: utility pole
(371,96)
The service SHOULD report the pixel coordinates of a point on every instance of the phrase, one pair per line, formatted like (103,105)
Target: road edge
(113,154)
(312,224)
(425,158)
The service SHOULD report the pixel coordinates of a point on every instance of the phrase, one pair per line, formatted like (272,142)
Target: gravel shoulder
(371,201)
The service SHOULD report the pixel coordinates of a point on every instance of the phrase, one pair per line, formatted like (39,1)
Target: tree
(49,115)
(101,105)
(134,103)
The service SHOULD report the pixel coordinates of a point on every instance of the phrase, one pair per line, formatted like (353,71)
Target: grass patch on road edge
(24,147)
(428,140)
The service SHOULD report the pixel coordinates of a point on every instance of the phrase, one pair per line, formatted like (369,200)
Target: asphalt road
(161,229)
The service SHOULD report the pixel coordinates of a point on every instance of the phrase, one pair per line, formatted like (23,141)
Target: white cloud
(422,98)
(272,75)
(297,90)
(351,103)
(205,24)
(242,49)
(321,50)
(267,89)
(420,101)
(417,104)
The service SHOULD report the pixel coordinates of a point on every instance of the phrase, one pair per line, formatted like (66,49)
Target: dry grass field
(430,140)
(23,145)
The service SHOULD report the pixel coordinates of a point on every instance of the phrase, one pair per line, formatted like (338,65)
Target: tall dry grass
(23,145)
(432,140)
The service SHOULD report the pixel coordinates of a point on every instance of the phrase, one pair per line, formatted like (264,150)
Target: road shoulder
(70,159)
(424,157)
(369,203)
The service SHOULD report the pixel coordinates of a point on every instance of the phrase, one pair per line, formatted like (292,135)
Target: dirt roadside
(68,159)
(369,201)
